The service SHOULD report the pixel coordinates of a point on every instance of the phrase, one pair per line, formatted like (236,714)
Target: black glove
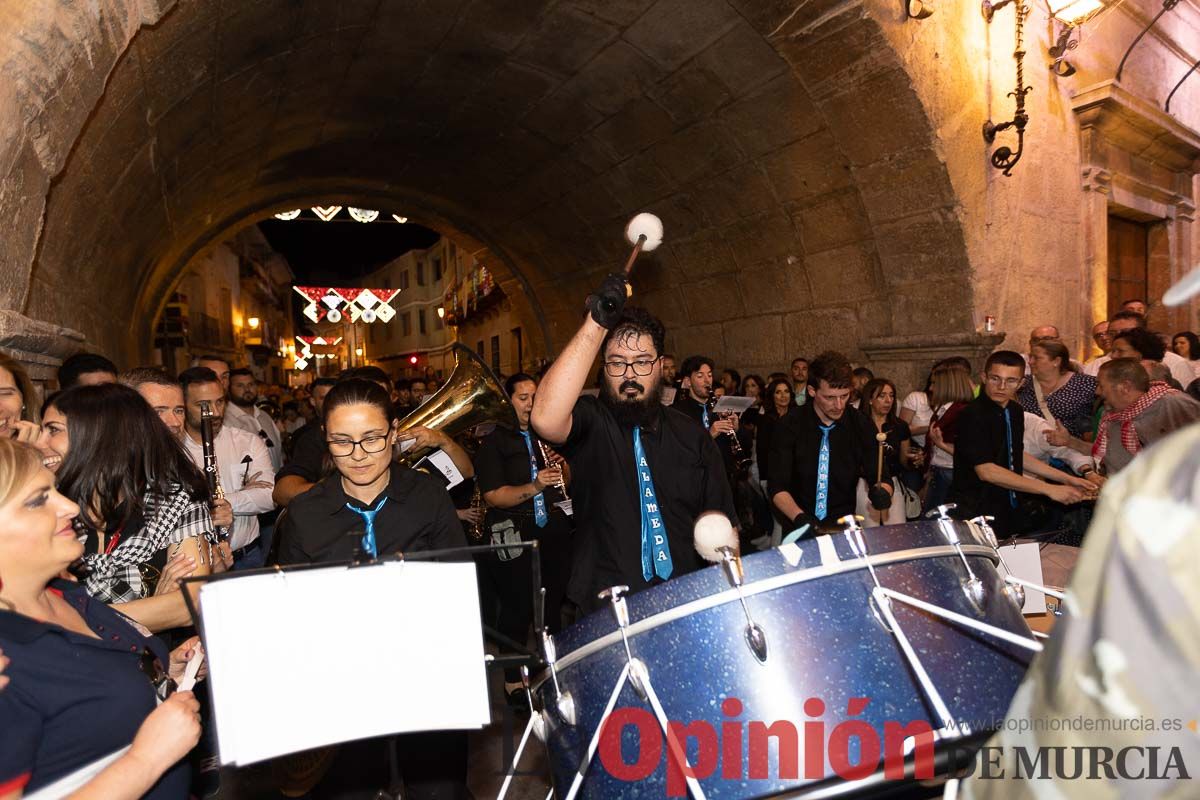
(805,518)
(880,499)
(608,302)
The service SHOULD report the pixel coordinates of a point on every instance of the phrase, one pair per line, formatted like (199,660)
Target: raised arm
(569,373)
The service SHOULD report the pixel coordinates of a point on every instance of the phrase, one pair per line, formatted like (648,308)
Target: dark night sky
(328,253)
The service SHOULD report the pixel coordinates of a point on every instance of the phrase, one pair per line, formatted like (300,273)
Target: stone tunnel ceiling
(781,143)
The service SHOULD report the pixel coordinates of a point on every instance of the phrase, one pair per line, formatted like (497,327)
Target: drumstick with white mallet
(715,540)
(645,233)
(880,437)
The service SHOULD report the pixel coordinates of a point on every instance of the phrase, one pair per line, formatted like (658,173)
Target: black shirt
(982,438)
(503,460)
(307,459)
(897,431)
(418,515)
(74,699)
(764,433)
(694,410)
(689,479)
(795,447)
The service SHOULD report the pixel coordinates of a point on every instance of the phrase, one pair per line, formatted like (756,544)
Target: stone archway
(785,147)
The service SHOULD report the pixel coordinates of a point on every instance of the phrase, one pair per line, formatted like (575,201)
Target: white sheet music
(1025,561)
(309,658)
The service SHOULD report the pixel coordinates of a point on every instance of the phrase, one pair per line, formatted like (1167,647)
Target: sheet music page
(737,405)
(1025,561)
(309,658)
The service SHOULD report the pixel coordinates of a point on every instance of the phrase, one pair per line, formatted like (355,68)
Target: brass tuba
(470,396)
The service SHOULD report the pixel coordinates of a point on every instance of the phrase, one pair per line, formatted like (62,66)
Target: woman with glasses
(83,683)
(371,506)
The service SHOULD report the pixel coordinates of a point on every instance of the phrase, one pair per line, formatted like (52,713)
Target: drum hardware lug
(1013,591)
(563,702)
(615,595)
(858,546)
(756,637)
(639,676)
(972,587)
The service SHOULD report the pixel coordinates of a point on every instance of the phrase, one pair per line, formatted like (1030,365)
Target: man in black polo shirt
(990,458)
(819,453)
(642,472)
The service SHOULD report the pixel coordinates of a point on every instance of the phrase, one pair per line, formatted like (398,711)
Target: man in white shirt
(1038,447)
(243,465)
(1103,340)
(241,412)
(1126,320)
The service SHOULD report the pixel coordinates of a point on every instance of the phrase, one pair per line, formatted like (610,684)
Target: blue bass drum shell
(825,642)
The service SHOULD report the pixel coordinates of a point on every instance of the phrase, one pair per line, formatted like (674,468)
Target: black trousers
(507,586)
(430,766)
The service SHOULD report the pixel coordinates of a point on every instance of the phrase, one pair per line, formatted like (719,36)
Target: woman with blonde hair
(950,389)
(82,701)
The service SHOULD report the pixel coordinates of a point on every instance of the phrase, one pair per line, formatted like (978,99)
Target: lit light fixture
(253,322)
(917,9)
(399,218)
(358,351)
(363,214)
(286,215)
(326,213)
(441,312)
(412,359)
(1070,14)
(1074,12)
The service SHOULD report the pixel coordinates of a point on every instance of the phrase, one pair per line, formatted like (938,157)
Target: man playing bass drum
(523,493)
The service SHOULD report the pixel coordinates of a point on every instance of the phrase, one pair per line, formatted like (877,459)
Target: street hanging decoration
(327,214)
(305,344)
(333,304)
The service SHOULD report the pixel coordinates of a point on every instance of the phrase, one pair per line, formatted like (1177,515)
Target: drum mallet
(645,233)
(880,437)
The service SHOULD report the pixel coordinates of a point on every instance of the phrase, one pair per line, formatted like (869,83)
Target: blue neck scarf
(704,415)
(823,473)
(656,555)
(368,515)
(539,502)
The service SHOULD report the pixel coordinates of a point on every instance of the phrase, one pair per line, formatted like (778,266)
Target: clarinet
(211,474)
(741,459)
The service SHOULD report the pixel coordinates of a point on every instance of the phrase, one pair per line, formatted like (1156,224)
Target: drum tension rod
(1014,587)
(563,702)
(756,637)
(972,586)
(858,546)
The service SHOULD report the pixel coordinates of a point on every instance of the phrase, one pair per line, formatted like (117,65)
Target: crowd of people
(105,505)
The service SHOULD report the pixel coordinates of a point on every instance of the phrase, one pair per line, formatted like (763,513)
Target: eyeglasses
(340,448)
(617,369)
(1007,383)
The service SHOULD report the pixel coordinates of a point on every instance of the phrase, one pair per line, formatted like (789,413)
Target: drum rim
(761,586)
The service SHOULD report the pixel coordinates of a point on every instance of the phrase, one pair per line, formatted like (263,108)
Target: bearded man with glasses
(990,461)
(642,472)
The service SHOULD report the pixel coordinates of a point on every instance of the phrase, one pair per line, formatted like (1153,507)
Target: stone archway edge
(41,346)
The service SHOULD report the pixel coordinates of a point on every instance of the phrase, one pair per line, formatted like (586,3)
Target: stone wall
(818,166)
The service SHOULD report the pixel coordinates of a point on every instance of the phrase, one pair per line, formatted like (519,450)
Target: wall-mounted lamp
(917,9)
(253,322)
(1003,157)
(358,351)
(1070,15)
(441,311)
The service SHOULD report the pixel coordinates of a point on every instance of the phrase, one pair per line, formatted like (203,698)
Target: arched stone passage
(792,162)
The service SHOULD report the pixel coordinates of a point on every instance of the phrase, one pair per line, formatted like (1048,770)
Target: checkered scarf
(1129,437)
(116,577)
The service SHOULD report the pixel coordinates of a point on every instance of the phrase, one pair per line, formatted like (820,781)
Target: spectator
(800,380)
(780,401)
(146,521)
(1140,412)
(80,690)
(950,390)
(879,406)
(669,370)
(161,391)
(1187,346)
(1122,321)
(1101,338)
(1055,391)
(731,379)
(18,403)
(86,369)
(862,376)
(752,387)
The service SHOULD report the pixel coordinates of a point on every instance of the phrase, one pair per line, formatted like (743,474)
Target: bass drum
(832,663)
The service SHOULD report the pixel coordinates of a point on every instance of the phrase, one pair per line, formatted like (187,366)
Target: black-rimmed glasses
(617,369)
(340,448)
